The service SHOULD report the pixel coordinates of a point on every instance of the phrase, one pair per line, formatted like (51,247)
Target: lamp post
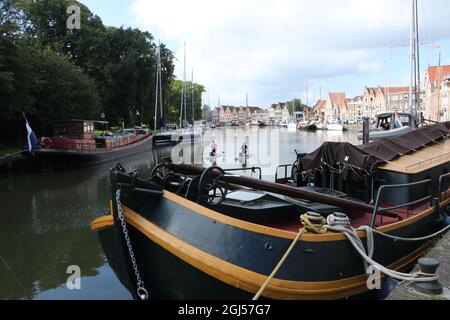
(103,117)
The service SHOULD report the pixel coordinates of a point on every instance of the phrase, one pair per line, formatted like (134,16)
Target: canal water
(46,216)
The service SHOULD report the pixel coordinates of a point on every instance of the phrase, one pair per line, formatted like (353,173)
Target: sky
(277,50)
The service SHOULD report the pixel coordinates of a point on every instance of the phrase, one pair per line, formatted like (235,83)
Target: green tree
(50,72)
(175,101)
(296,105)
(64,90)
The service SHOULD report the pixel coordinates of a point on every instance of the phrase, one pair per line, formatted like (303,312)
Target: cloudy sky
(273,48)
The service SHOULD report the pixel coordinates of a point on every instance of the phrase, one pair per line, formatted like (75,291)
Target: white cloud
(270,48)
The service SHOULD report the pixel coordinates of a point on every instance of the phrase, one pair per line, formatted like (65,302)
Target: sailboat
(172,137)
(394,124)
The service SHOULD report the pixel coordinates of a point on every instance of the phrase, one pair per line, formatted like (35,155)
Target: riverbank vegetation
(50,72)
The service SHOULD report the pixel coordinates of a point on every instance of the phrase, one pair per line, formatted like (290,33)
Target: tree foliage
(50,72)
(174,100)
(296,105)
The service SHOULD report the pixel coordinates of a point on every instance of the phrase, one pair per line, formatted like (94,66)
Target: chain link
(141,291)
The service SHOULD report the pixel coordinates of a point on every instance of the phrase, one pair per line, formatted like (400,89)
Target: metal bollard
(366,131)
(429,266)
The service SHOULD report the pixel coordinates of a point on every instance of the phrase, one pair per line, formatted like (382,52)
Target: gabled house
(436,93)
(336,107)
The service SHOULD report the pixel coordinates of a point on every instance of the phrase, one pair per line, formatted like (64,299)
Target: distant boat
(186,133)
(173,137)
(302,125)
(390,125)
(307,126)
(292,125)
(74,144)
(321,126)
(283,124)
(335,126)
(261,124)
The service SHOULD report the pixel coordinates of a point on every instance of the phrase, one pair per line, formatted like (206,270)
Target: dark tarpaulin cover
(352,161)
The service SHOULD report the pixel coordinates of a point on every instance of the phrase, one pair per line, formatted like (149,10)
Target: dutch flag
(32,140)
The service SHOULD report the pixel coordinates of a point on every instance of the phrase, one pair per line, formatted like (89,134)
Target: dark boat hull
(65,159)
(186,251)
(172,139)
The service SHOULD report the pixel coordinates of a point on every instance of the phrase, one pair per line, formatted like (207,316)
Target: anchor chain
(141,291)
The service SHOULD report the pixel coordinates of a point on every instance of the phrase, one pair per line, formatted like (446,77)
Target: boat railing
(378,210)
(444,187)
(252,169)
(427,161)
(84,146)
(285,178)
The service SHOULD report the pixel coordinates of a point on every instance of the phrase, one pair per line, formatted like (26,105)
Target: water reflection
(268,147)
(45,228)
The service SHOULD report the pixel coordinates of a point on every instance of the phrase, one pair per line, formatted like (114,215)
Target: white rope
(342,224)
(412,239)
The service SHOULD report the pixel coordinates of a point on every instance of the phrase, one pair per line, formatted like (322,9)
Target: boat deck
(361,219)
(421,160)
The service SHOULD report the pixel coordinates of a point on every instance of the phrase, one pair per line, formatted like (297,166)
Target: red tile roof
(433,72)
(320,105)
(392,90)
(338,100)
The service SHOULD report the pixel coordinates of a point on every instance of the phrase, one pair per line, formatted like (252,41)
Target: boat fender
(46,142)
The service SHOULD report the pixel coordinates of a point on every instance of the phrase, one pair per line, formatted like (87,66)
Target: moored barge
(74,144)
(195,233)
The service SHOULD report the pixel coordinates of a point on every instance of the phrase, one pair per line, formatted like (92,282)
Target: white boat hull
(375,135)
(335,127)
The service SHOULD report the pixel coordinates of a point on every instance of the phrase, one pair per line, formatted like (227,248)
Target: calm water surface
(46,216)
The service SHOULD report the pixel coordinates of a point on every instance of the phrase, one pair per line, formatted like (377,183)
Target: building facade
(336,107)
(278,113)
(319,110)
(436,93)
(206,114)
(384,100)
(354,109)
(231,114)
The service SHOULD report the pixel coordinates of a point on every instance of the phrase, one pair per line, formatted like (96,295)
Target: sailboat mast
(160,86)
(184,86)
(439,83)
(192,97)
(181,107)
(307,102)
(417,57)
(157,87)
(386,88)
(183,91)
(412,58)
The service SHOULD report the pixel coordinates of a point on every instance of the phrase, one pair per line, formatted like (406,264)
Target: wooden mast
(158,96)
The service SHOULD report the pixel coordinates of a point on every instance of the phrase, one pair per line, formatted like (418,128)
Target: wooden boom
(279,189)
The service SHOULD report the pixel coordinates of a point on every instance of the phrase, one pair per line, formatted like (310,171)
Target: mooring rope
(283,259)
(339,222)
(412,239)
(8,267)
(342,224)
